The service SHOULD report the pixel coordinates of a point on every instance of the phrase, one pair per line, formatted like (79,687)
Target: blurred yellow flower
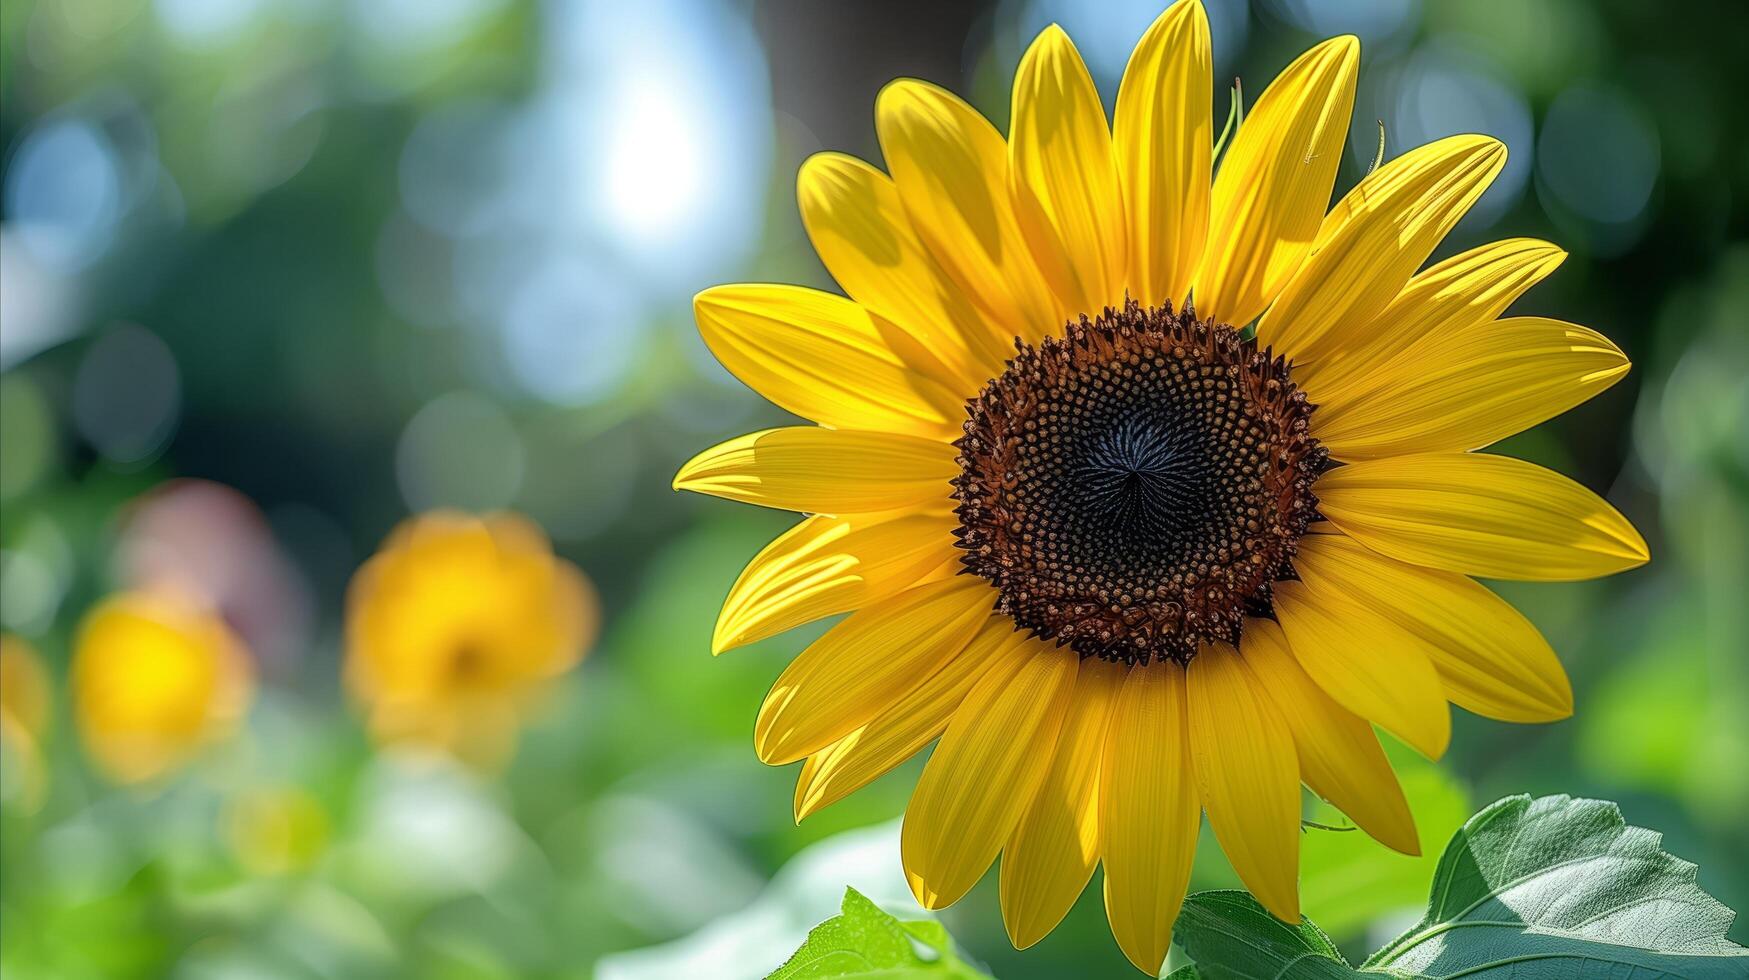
(156,677)
(455,623)
(25,703)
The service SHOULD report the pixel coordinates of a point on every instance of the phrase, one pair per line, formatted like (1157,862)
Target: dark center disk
(1133,488)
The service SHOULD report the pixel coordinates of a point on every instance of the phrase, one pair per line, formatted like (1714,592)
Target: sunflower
(1150,487)
(456,624)
(157,676)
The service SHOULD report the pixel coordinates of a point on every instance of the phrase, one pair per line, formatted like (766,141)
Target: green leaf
(1231,937)
(1552,887)
(1348,880)
(865,942)
(1558,886)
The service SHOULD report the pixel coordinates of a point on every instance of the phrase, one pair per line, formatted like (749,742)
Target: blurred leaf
(1643,723)
(1348,880)
(1526,888)
(866,942)
(1557,881)
(1668,719)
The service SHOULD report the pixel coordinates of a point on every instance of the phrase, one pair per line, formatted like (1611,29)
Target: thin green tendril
(1379,157)
(1235,117)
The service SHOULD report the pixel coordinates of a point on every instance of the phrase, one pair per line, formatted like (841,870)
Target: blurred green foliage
(1347,881)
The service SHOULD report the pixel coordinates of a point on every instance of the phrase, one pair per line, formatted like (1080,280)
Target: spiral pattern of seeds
(1133,488)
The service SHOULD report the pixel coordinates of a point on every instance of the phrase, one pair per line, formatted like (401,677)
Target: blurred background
(276,275)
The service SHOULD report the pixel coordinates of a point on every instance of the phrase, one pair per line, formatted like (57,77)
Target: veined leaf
(1526,888)
(1556,886)
(1231,937)
(866,943)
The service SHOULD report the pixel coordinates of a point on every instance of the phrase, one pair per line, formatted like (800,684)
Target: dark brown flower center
(1133,488)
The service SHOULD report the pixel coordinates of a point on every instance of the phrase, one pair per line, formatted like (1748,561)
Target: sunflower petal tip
(1432,745)
(926,897)
(1149,960)
(1176,10)
(813,170)
(895,91)
(685,478)
(1495,151)
(1641,553)
(1287,909)
(767,748)
(708,302)
(1054,35)
(1396,829)
(1022,933)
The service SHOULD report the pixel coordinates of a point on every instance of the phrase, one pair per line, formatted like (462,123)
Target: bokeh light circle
(460,450)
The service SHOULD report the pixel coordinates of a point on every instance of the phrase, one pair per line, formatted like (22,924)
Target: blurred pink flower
(210,539)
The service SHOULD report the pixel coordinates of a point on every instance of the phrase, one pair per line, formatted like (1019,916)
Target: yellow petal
(1052,853)
(1162,136)
(1063,176)
(1470,388)
(828,565)
(1463,291)
(1274,183)
(1366,663)
(1492,516)
(864,664)
(825,471)
(912,722)
(1148,813)
(984,773)
(859,227)
(1491,659)
(1248,775)
(951,168)
(827,359)
(1373,241)
(1340,757)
